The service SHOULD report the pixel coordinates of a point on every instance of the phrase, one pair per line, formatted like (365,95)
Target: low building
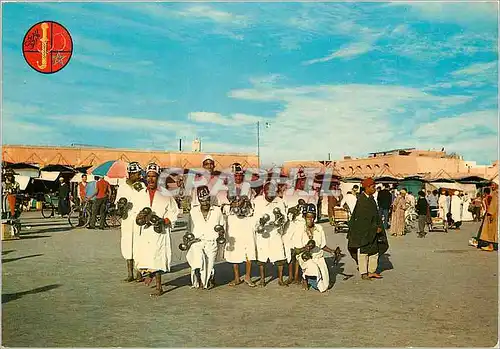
(402,163)
(91,156)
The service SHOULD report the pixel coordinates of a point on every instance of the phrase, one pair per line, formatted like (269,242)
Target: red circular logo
(47,47)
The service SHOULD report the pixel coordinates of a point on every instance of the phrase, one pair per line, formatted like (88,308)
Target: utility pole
(258,144)
(180,144)
(329,156)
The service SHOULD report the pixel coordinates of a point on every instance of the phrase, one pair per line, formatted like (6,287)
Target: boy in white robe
(201,255)
(240,246)
(154,253)
(291,199)
(269,240)
(130,230)
(314,269)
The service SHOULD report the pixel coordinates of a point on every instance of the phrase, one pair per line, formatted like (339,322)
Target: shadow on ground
(14,296)
(7,260)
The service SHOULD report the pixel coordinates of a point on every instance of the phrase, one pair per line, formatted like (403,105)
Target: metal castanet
(184,246)
(123,207)
(279,218)
(221,231)
(143,217)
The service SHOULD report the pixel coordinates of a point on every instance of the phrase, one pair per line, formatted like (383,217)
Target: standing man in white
(240,246)
(130,190)
(154,254)
(204,218)
(268,234)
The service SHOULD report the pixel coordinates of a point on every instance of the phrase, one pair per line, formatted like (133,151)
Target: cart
(437,223)
(341,218)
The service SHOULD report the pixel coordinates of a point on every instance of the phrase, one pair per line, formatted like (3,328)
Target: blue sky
(339,78)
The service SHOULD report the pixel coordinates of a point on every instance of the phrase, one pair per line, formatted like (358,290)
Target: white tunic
(466,215)
(270,247)
(443,206)
(201,255)
(240,235)
(129,230)
(350,200)
(316,266)
(154,250)
(291,200)
(456,208)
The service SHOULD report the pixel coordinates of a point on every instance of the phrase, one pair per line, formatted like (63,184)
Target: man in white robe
(456,209)
(314,269)
(154,252)
(269,240)
(443,205)
(350,201)
(466,214)
(128,227)
(202,254)
(291,199)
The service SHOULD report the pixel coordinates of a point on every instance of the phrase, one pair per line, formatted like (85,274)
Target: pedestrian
(240,246)
(488,233)
(432,200)
(384,199)
(154,253)
(399,208)
(365,228)
(269,241)
(423,213)
(477,203)
(443,204)
(455,210)
(467,208)
(130,190)
(349,202)
(10,190)
(314,269)
(64,197)
(203,219)
(103,191)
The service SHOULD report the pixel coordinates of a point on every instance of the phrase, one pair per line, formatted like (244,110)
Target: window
(386,165)
(368,167)
(377,166)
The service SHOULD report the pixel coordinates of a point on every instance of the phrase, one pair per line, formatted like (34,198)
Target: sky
(331,79)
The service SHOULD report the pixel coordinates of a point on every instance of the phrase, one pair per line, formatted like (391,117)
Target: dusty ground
(63,288)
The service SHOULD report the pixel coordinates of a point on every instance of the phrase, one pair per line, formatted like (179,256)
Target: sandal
(250,283)
(234,283)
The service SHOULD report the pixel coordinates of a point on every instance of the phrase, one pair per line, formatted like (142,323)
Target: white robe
(443,206)
(271,247)
(201,255)
(240,235)
(154,251)
(291,200)
(316,266)
(466,215)
(456,208)
(350,200)
(129,230)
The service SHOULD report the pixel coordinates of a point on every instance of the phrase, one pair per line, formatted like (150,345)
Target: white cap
(208,157)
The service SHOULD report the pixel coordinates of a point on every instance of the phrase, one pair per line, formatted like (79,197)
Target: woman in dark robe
(63,206)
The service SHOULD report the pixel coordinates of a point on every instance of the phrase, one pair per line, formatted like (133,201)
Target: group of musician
(239,224)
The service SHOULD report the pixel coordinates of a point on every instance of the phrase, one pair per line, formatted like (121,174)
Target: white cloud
(453,127)
(210,13)
(229,121)
(474,75)
(340,119)
(349,51)
(266,80)
(477,68)
(465,13)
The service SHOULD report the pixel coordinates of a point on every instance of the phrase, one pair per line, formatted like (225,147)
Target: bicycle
(79,216)
(49,205)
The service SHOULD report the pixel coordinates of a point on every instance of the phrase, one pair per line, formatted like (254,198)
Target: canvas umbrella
(111,169)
